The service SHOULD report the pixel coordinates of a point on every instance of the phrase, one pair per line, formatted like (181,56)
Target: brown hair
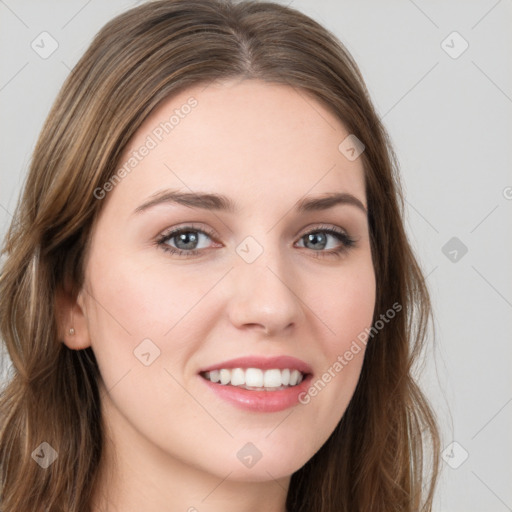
(374,460)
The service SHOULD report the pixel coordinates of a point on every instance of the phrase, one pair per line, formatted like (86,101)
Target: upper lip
(265,363)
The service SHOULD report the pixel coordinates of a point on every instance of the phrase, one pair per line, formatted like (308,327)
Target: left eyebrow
(220,202)
(328,201)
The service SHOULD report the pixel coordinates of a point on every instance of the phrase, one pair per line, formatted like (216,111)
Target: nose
(263,297)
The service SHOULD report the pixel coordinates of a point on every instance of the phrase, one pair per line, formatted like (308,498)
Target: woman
(208,296)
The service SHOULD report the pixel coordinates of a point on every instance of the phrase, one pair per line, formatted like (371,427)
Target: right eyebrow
(205,201)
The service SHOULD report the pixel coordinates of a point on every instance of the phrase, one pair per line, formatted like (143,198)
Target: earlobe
(71,319)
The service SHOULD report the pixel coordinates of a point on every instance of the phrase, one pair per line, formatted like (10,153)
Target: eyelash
(347,242)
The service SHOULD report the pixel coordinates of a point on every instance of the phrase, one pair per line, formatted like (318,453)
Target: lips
(259,384)
(264,363)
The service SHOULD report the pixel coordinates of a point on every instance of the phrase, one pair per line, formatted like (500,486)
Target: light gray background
(450,121)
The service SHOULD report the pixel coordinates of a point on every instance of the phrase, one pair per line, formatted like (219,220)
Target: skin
(171,442)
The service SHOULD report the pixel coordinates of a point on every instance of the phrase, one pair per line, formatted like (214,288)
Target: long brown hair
(375,459)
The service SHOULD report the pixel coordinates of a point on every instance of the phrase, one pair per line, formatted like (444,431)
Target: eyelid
(346,242)
(189,226)
(321,227)
(193,226)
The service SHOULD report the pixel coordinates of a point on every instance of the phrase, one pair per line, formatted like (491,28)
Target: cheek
(134,309)
(346,305)
(352,307)
(347,308)
(133,297)
(352,318)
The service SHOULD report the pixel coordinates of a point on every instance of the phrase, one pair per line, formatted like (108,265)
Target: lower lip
(259,401)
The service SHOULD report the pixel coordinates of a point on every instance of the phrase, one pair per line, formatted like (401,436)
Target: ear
(70,314)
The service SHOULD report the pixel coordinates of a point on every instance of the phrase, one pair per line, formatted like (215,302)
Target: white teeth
(214,375)
(237,377)
(225,376)
(294,377)
(256,378)
(253,377)
(272,379)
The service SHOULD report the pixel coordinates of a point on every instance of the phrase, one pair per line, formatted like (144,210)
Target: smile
(258,384)
(256,379)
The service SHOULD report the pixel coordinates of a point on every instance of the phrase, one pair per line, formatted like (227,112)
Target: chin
(264,471)
(263,460)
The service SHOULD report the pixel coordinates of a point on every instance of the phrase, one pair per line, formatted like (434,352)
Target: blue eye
(184,241)
(320,238)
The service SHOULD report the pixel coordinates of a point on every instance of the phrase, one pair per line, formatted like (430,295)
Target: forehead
(252,140)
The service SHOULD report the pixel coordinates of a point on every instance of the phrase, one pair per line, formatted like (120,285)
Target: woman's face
(270,286)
